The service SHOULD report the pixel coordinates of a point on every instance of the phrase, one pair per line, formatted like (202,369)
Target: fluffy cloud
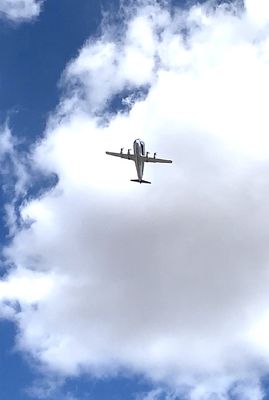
(13,170)
(169,279)
(20,10)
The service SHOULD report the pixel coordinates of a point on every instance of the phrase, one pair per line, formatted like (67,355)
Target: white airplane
(139,157)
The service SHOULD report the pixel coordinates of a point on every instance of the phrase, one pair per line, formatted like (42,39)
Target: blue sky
(83,314)
(34,56)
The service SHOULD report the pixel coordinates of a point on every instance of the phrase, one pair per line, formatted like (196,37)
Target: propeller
(129,153)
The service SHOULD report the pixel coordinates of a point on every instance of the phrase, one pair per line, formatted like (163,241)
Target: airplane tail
(139,181)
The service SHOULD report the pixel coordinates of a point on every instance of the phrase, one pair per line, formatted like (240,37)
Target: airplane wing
(121,155)
(156,160)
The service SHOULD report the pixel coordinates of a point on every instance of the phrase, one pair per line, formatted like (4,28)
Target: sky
(113,290)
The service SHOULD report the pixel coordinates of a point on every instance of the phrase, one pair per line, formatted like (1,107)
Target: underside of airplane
(139,156)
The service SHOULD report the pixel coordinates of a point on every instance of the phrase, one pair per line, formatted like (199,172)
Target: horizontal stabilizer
(139,181)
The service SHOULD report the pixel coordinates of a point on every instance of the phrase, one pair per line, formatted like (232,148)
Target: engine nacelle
(121,150)
(147,155)
(155,154)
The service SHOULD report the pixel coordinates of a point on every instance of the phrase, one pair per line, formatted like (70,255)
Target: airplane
(140,156)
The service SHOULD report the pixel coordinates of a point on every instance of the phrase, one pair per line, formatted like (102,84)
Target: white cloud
(6,142)
(258,12)
(247,391)
(155,394)
(11,162)
(170,280)
(20,10)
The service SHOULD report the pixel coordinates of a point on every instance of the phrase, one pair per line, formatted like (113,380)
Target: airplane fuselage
(139,151)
